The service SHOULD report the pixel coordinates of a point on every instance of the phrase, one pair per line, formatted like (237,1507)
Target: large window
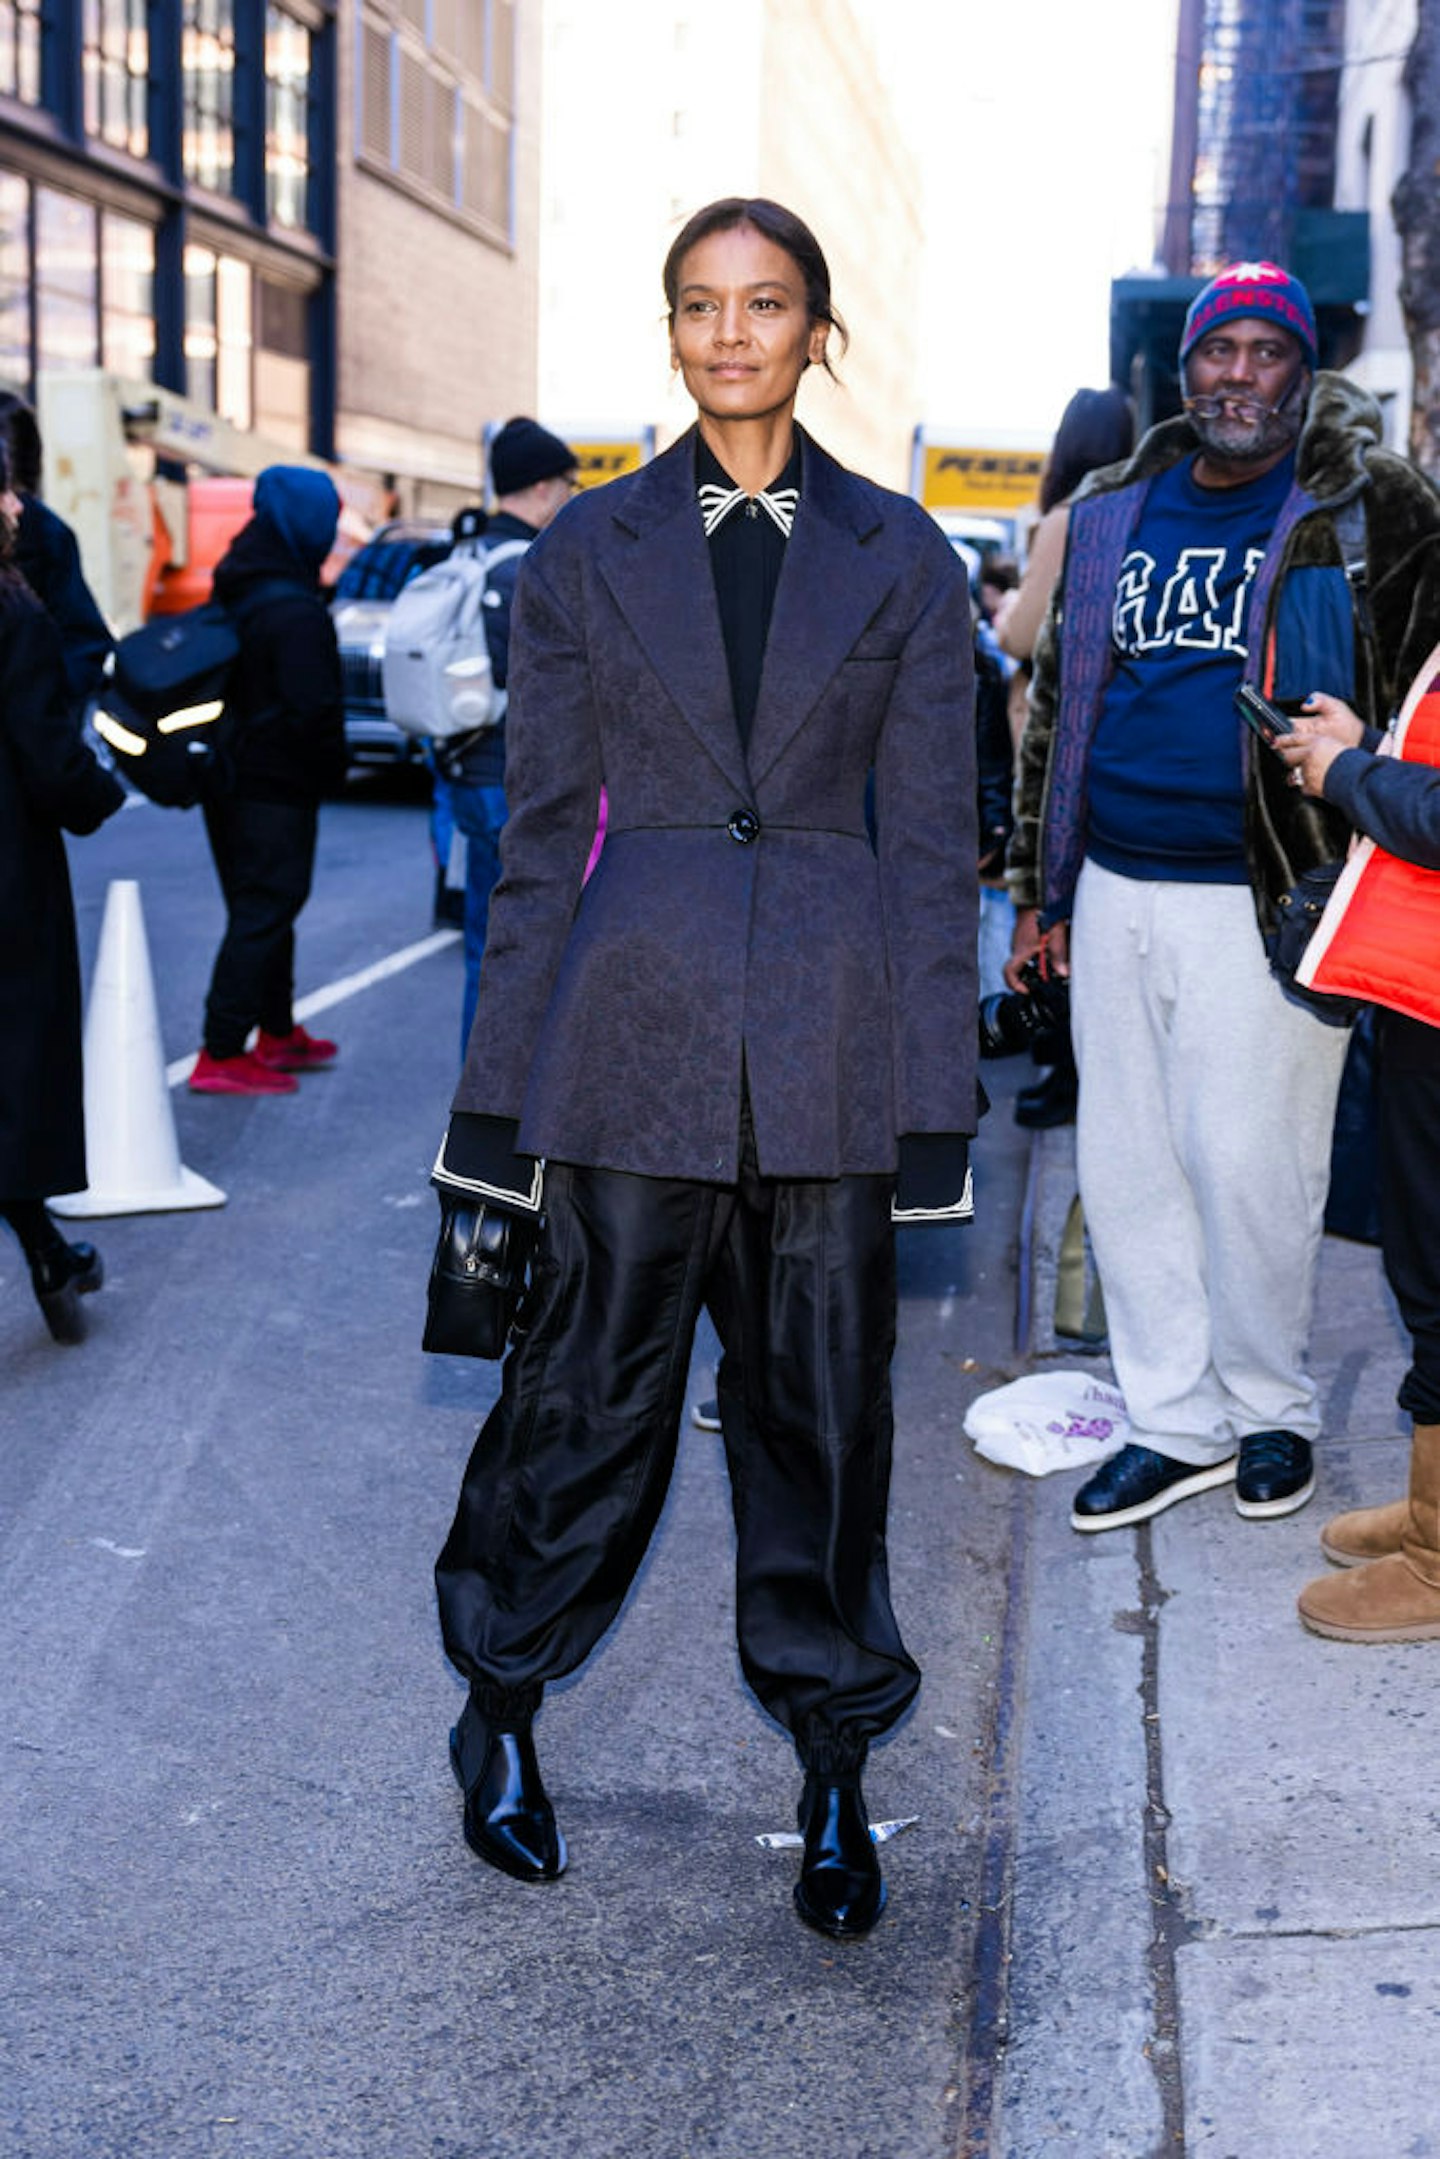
(282,365)
(116,59)
(20,50)
(89,286)
(67,315)
(437,99)
(218,333)
(127,296)
(287,119)
(14,279)
(207,59)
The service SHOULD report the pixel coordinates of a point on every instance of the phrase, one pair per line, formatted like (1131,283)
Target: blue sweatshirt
(1166,778)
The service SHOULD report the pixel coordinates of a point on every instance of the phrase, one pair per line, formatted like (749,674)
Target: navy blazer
(739,921)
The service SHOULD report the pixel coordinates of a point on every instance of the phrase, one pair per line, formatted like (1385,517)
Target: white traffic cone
(130,1144)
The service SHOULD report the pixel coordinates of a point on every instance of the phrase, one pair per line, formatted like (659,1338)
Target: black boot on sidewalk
(60,1273)
(840,1890)
(509,1821)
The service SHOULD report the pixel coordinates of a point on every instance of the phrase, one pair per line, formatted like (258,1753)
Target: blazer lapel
(657,566)
(830,588)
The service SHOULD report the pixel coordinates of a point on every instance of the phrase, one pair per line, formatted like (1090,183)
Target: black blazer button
(744,826)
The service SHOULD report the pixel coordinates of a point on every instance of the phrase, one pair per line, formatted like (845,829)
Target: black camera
(1013,1020)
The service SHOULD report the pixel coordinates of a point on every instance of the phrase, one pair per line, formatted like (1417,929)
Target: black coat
(48,558)
(49,782)
(285,697)
(739,911)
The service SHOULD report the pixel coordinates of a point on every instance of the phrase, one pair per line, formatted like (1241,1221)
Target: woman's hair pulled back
(21,431)
(1096,428)
(776,223)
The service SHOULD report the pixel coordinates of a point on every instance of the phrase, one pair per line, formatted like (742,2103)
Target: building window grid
(20,50)
(435,88)
(77,281)
(115,63)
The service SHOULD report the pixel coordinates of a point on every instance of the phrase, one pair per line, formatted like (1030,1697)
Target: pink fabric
(599,837)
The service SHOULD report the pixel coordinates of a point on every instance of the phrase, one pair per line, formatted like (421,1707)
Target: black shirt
(747,549)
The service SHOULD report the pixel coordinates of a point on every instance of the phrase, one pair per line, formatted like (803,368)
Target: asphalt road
(237,1916)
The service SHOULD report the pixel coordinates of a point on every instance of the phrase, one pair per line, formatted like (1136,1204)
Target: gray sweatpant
(1203,1141)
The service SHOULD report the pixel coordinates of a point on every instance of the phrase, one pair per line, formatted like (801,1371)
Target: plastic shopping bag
(1047,1421)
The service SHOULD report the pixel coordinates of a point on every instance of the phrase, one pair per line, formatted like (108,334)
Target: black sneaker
(1276,1474)
(1137,1482)
(706,1415)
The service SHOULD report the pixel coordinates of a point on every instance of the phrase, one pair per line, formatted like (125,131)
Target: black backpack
(163,712)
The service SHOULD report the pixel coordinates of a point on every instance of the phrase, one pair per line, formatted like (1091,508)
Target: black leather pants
(569,1472)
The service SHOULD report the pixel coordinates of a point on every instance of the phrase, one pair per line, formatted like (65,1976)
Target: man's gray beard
(1229,442)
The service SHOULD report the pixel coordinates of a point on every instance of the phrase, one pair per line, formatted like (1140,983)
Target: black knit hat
(523,452)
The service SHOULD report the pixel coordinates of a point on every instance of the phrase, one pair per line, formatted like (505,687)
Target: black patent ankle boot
(840,1891)
(509,1821)
(60,1275)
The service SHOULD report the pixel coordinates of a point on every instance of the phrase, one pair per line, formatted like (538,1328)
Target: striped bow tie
(716,503)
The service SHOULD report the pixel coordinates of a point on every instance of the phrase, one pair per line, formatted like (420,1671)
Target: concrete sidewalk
(1217,1926)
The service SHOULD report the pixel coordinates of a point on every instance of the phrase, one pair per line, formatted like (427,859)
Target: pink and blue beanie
(1259,289)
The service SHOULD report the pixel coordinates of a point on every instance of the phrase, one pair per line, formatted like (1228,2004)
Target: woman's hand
(1324,728)
(1028,939)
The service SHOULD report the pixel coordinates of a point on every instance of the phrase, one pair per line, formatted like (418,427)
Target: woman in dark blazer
(49,784)
(712,1069)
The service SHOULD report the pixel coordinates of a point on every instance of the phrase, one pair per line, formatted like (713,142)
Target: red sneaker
(238,1075)
(296,1052)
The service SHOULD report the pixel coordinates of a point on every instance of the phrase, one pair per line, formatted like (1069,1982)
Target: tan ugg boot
(1396,1598)
(1365,1533)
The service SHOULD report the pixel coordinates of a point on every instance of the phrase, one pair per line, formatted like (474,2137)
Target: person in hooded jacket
(288,749)
(50,784)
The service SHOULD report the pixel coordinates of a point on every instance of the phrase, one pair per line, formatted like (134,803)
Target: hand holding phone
(1260,716)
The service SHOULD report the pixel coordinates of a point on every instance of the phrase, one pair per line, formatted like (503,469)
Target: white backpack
(436,670)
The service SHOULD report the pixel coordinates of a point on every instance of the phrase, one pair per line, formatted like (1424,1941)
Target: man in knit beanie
(532,477)
(1265,536)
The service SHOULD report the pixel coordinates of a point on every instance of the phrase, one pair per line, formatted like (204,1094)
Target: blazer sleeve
(552,792)
(926,840)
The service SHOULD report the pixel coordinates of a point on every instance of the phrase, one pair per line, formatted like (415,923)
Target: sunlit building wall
(1371,151)
(652,110)
(438,290)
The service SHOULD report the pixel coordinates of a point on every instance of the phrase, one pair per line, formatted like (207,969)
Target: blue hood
(303,508)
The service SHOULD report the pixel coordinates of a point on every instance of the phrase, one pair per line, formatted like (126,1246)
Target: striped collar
(718,496)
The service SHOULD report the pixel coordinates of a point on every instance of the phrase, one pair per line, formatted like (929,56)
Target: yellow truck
(979,486)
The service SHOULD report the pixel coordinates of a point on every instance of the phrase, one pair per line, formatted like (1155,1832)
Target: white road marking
(335,993)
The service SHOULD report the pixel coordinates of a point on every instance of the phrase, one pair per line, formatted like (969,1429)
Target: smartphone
(1263,718)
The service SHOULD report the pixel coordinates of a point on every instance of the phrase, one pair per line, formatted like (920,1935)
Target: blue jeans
(480,814)
(997,927)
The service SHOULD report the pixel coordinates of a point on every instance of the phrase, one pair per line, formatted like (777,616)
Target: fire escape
(1252,176)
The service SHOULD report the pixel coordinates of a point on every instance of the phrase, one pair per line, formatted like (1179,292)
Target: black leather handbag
(1297,917)
(477,1279)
